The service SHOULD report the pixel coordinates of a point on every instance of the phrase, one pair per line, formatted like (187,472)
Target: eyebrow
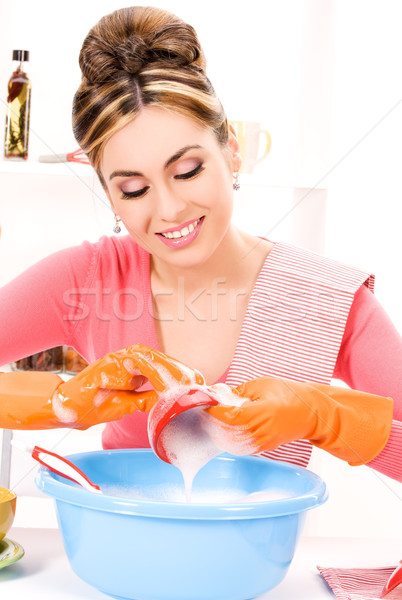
(170,161)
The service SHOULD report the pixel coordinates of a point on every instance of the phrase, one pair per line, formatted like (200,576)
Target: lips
(185,229)
(178,237)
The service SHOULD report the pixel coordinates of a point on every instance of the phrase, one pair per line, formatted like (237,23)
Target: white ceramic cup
(249,135)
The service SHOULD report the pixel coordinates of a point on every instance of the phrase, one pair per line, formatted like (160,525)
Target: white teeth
(185,231)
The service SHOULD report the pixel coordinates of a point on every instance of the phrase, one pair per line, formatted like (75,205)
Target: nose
(169,205)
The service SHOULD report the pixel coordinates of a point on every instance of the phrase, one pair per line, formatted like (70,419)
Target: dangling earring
(236,184)
(117,227)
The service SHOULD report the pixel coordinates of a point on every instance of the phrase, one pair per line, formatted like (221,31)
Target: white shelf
(34,167)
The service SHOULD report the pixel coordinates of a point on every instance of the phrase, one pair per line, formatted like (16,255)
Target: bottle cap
(21,55)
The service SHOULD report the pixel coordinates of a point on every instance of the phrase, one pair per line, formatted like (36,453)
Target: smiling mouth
(179,233)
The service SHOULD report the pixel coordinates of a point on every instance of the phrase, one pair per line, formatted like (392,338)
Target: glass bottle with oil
(18,109)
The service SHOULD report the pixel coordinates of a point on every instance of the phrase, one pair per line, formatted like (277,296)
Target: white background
(325,78)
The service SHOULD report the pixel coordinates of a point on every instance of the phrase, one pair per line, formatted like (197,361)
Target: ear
(111,206)
(234,149)
(107,194)
(105,188)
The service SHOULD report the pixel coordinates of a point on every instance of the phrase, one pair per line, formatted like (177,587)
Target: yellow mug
(248,135)
(8,501)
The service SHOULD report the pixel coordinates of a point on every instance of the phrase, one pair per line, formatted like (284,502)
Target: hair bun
(172,47)
(177,44)
(132,54)
(97,59)
(130,47)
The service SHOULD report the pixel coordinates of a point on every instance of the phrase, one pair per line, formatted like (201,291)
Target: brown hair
(137,57)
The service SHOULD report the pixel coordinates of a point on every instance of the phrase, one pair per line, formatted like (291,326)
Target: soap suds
(188,445)
(101,396)
(177,494)
(65,415)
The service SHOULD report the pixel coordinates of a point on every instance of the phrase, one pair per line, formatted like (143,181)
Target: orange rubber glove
(353,426)
(103,391)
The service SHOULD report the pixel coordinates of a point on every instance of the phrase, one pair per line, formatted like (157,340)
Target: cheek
(219,191)
(134,218)
(223,195)
(138,230)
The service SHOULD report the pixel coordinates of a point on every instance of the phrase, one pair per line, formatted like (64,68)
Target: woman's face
(171,183)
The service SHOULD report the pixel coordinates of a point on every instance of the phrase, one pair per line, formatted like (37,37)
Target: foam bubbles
(188,445)
(176,494)
(192,438)
(101,396)
(226,396)
(65,415)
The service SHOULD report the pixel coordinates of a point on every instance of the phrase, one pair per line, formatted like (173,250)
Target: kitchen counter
(44,572)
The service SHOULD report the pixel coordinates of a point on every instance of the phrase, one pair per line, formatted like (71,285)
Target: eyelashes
(191,174)
(181,177)
(136,194)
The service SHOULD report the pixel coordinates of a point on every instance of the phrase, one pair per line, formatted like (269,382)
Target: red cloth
(360,584)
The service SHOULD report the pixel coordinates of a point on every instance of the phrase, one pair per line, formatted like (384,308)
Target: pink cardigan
(97,298)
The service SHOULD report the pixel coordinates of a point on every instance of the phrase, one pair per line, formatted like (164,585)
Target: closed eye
(181,177)
(191,173)
(135,194)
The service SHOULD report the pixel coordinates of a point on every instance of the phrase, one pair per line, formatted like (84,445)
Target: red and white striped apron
(294,325)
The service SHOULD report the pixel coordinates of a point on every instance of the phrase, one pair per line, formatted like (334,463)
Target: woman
(186,281)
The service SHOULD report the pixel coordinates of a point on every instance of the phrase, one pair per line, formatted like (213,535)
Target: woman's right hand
(105,390)
(269,412)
